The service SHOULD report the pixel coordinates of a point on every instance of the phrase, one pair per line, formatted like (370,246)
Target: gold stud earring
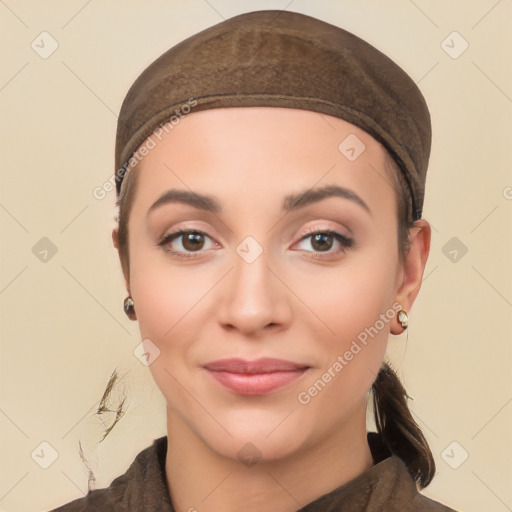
(403,318)
(129,308)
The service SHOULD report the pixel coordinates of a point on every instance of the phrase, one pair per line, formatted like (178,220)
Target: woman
(270,173)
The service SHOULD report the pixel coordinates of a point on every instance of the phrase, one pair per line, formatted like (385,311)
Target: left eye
(323,241)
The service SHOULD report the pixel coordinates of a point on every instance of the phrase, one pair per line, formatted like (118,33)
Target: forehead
(260,151)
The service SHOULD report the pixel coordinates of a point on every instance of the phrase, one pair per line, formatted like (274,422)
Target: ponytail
(399,432)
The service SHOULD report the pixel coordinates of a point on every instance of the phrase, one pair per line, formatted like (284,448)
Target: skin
(286,304)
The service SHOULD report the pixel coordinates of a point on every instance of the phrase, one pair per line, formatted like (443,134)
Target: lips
(257,377)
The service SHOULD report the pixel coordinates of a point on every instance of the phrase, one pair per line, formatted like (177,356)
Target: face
(264,273)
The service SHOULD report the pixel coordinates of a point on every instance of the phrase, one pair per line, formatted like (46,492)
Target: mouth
(258,377)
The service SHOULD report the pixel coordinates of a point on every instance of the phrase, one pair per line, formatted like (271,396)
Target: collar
(387,485)
(388,482)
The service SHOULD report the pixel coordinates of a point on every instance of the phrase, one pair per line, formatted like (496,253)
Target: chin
(250,449)
(258,434)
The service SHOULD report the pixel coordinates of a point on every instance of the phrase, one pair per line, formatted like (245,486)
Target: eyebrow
(291,202)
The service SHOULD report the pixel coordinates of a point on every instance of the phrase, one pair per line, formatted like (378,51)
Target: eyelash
(345,242)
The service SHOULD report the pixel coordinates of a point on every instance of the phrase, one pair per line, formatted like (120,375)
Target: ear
(413,267)
(124,265)
(115,238)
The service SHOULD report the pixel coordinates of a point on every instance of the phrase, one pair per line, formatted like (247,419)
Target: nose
(254,299)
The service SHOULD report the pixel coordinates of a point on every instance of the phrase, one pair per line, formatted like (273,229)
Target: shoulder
(421,503)
(407,495)
(142,487)
(100,499)
(391,476)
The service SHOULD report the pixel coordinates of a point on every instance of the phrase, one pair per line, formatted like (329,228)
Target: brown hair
(393,419)
(124,204)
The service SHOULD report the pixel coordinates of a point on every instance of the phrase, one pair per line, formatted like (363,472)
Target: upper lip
(263,365)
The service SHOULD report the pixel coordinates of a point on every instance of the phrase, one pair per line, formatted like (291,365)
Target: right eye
(190,240)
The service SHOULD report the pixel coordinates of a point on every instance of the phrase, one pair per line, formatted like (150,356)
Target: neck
(201,479)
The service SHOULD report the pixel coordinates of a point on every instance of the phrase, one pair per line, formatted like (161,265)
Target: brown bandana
(281,59)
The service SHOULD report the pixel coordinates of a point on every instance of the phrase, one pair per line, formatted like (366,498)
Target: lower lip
(257,383)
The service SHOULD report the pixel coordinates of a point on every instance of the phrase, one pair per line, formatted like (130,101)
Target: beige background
(63,330)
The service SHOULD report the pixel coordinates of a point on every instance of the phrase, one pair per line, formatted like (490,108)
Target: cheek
(165,295)
(355,305)
(168,305)
(351,298)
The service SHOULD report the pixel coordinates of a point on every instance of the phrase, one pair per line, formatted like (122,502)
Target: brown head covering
(282,59)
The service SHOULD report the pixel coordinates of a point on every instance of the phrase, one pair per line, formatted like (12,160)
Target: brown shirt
(387,486)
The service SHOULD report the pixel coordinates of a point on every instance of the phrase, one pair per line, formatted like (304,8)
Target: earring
(129,308)
(403,319)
